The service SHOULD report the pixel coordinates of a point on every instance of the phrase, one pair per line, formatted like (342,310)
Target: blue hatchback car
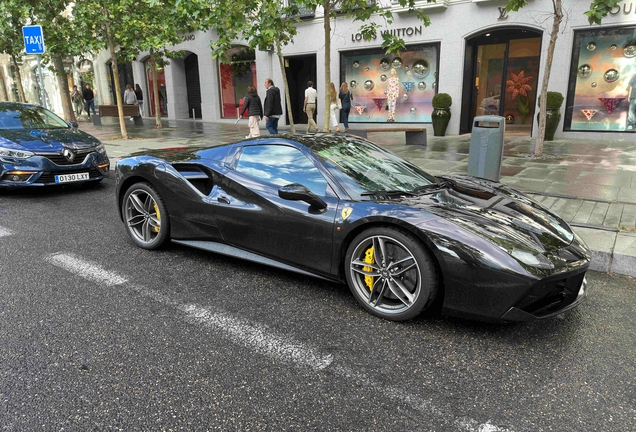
(38,148)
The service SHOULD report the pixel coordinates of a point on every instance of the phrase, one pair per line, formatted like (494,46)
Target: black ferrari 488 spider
(344,209)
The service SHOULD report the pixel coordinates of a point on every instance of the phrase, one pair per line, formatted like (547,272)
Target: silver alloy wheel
(142,216)
(391,281)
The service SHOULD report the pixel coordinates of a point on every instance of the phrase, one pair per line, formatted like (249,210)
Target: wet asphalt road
(100,335)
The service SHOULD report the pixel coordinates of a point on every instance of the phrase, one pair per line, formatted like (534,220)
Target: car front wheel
(145,216)
(390,273)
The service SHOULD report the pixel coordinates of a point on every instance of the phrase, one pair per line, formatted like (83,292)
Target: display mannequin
(392,94)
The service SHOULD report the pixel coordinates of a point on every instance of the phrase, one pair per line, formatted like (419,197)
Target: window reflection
(281,165)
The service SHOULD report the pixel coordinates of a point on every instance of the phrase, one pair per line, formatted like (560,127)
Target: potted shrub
(441,113)
(553,113)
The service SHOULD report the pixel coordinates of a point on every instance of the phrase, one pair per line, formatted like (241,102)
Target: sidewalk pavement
(590,184)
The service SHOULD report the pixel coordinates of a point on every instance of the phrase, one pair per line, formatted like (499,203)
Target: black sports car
(344,209)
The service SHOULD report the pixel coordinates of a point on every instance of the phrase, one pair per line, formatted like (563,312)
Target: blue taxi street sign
(33,39)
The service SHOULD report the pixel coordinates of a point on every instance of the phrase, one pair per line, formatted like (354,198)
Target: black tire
(397,288)
(145,216)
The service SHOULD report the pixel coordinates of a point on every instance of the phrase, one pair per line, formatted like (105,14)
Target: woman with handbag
(334,105)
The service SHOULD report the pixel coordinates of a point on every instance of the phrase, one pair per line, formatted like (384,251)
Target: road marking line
(85,269)
(252,336)
(5,232)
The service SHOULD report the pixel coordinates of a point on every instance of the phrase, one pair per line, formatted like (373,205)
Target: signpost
(34,44)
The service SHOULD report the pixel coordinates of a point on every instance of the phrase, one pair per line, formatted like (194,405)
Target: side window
(281,165)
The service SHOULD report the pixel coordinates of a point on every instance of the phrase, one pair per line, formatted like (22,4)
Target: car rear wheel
(145,216)
(390,273)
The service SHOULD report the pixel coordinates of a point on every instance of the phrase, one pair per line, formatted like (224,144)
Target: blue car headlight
(100,149)
(8,154)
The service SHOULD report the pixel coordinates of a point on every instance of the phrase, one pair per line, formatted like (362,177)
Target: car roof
(314,142)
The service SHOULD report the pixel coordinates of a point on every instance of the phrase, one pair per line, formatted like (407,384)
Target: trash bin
(486,147)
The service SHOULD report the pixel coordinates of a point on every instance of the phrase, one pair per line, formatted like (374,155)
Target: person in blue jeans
(346,98)
(89,100)
(272,108)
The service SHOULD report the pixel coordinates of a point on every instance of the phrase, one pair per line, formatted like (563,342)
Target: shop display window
(396,88)
(235,77)
(602,88)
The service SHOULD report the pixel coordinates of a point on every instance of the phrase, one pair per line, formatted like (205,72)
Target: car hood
(498,212)
(36,140)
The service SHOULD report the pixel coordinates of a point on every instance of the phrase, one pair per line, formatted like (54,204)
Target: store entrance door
(503,67)
(299,71)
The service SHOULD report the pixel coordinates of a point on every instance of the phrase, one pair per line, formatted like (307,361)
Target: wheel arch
(417,233)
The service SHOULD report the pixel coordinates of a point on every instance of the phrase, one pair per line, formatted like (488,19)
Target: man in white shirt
(310,106)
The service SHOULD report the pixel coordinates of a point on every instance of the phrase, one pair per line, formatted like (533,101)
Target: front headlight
(534,260)
(100,149)
(15,154)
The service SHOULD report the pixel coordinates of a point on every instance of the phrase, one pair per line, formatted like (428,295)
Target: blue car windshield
(363,168)
(29,117)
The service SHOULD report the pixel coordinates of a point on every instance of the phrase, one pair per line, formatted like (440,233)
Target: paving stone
(613,216)
(584,212)
(570,209)
(559,205)
(571,189)
(598,213)
(628,218)
(606,193)
(624,258)
(627,195)
(606,179)
(549,201)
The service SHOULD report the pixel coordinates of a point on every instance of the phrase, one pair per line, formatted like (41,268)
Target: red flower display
(518,85)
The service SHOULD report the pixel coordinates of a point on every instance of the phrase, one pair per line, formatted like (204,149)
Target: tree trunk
(67,106)
(19,81)
(120,105)
(290,115)
(327,21)
(558,17)
(155,90)
(3,86)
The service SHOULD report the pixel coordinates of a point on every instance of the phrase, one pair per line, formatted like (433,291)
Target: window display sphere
(356,64)
(385,64)
(383,78)
(397,62)
(630,50)
(421,85)
(405,97)
(368,85)
(611,75)
(613,47)
(593,85)
(353,84)
(420,68)
(591,46)
(368,69)
(413,109)
(585,70)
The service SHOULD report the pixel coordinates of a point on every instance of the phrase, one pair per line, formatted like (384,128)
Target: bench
(414,136)
(111,111)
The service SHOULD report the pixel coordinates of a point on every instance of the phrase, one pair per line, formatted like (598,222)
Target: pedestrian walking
(346,98)
(272,108)
(89,100)
(334,105)
(130,98)
(140,99)
(78,101)
(252,104)
(309,107)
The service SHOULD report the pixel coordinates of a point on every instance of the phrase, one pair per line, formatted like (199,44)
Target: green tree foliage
(599,10)
(13,15)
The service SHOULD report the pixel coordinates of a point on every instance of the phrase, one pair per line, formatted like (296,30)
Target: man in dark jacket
(89,102)
(272,109)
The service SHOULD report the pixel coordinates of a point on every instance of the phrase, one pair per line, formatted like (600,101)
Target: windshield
(362,168)
(17,117)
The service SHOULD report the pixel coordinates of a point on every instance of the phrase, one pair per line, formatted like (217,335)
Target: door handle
(223,199)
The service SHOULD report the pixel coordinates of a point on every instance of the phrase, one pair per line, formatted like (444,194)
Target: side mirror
(74,125)
(298,192)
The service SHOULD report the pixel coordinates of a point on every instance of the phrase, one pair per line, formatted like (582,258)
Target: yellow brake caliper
(368,258)
(158,216)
